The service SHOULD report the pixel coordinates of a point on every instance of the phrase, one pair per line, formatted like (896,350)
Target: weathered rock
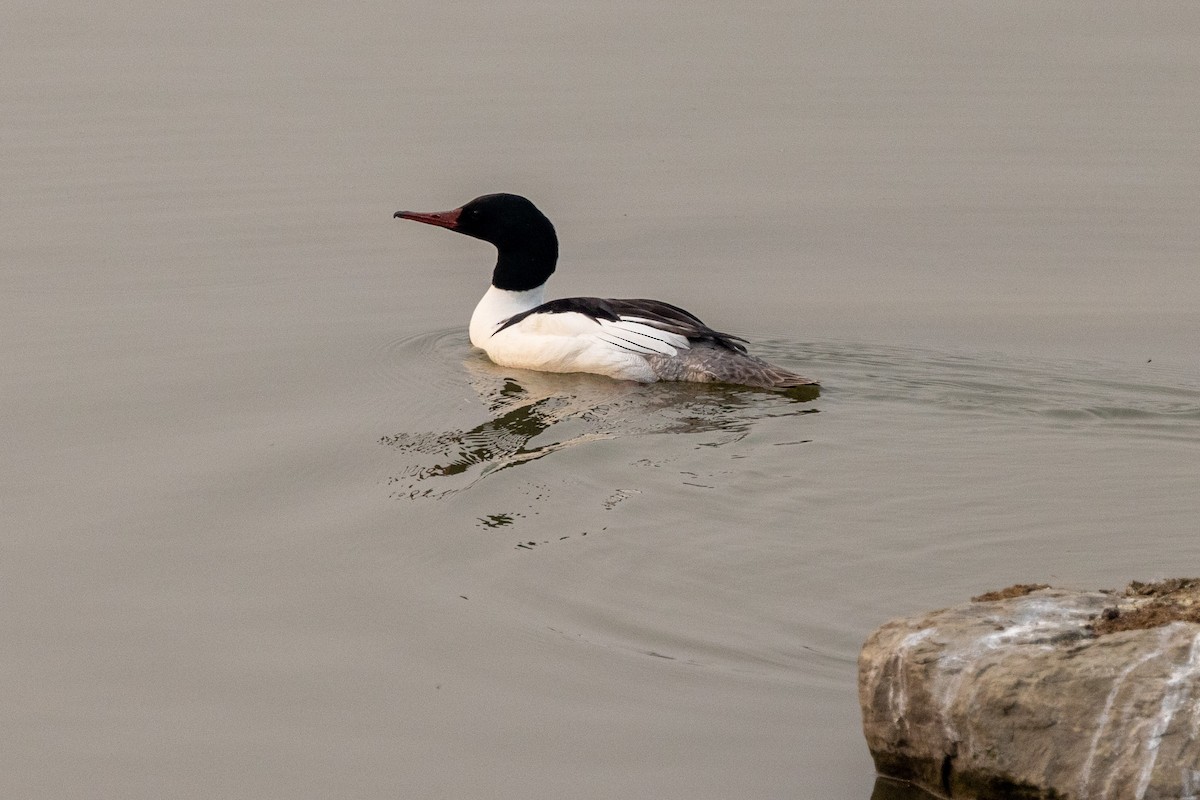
(1020,698)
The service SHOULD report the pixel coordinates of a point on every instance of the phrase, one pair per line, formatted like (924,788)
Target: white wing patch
(637,336)
(630,334)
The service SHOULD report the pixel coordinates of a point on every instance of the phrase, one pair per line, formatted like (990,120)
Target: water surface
(273,529)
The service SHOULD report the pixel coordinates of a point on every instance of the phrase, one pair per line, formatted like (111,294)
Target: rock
(1028,696)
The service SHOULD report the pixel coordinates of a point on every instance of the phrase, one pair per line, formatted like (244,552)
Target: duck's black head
(525,239)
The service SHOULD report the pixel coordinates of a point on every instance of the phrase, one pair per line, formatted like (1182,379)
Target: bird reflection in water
(535,414)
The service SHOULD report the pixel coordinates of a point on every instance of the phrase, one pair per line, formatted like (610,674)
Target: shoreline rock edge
(1020,698)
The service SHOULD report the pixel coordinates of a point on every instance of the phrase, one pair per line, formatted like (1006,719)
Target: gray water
(272,529)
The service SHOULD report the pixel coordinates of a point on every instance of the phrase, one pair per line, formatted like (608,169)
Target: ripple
(530,416)
(423,359)
(533,415)
(1081,393)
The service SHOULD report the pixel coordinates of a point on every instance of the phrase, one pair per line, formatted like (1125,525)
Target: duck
(624,339)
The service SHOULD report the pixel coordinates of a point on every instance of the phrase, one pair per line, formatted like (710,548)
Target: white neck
(498,305)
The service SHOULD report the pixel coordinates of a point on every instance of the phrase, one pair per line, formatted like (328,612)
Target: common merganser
(635,340)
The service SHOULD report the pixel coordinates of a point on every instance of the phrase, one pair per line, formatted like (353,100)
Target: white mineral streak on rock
(1177,688)
(1105,718)
(1189,779)
(1032,621)
(898,689)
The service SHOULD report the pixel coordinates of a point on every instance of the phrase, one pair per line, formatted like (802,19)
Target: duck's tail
(708,363)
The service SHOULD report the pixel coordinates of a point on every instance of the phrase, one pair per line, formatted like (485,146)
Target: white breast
(498,305)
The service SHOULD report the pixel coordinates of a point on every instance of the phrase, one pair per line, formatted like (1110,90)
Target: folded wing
(640,326)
